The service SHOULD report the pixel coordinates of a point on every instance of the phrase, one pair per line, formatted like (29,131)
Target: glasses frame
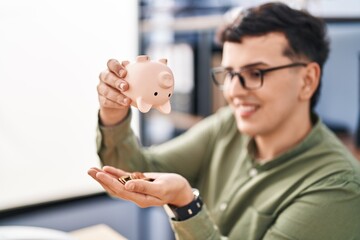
(262,72)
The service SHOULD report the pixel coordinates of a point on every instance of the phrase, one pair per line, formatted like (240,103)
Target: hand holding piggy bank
(151,84)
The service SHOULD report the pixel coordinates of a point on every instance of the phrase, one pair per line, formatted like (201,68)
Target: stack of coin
(134,175)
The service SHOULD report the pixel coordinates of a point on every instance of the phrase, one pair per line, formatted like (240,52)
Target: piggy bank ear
(163,60)
(142,58)
(143,106)
(165,108)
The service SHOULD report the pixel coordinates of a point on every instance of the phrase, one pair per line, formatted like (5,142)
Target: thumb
(142,186)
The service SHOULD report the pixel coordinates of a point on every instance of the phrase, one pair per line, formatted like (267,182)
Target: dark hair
(306,34)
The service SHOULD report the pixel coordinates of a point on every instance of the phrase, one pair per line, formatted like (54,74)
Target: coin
(134,175)
(124,179)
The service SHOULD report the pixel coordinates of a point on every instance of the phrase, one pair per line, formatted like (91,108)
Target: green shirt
(312,191)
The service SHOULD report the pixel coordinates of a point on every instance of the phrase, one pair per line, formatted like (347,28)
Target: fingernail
(122,73)
(122,86)
(126,101)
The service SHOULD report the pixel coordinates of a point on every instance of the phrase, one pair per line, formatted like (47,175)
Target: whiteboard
(51,54)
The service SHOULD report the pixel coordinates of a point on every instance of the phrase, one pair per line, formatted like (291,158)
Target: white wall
(51,53)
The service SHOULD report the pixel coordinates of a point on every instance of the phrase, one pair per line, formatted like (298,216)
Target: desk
(97,232)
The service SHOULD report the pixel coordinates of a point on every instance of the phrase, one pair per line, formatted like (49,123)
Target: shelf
(183,24)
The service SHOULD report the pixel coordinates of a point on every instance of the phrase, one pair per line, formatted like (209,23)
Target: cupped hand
(167,188)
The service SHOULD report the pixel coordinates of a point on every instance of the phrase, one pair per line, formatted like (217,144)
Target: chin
(247,128)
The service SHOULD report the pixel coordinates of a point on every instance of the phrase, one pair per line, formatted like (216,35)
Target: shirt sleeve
(328,210)
(198,227)
(185,155)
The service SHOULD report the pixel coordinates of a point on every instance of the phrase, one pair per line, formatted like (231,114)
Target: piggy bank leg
(143,106)
(165,108)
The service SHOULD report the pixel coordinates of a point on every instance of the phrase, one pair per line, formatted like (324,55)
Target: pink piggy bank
(151,84)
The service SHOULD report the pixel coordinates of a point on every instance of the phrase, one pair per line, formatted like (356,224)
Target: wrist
(183,199)
(111,117)
(187,211)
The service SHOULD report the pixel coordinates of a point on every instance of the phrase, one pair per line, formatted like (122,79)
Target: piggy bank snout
(166,80)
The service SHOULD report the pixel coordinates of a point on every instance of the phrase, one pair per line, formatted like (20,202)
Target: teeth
(246,108)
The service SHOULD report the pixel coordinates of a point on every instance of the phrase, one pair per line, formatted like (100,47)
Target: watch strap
(189,210)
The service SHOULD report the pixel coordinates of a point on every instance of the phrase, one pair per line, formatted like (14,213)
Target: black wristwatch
(188,211)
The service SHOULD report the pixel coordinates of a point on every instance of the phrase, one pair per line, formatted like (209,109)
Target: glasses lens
(219,76)
(251,78)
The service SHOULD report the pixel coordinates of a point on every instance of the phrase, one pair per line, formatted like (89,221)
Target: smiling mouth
(246,110)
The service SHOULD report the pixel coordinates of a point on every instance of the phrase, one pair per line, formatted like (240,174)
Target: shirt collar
(314,137)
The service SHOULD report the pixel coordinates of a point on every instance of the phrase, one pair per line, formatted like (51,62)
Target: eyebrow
(251,65)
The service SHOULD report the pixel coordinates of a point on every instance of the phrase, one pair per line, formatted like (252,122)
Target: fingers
(117,68)
(114,75)
(113,80)
(144,187)
(115,186)
(110,91)
(92,172)
(115,171)
(112,85)
(111,98)
(169,187)
(108,180)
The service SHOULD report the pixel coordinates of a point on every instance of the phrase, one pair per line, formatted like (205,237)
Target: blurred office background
(47,129)
(183,31)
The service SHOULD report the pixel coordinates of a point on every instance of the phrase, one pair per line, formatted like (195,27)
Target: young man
(266,166)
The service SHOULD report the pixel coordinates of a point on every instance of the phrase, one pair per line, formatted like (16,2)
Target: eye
(254,74)
(155,93)
(229,74)
(169,95)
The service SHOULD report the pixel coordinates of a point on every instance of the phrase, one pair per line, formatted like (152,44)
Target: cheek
(230,91)
(280,101)
(226,96)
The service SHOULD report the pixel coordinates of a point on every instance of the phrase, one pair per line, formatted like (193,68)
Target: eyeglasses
(250,78)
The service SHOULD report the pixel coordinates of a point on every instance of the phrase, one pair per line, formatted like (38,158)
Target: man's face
(276,104)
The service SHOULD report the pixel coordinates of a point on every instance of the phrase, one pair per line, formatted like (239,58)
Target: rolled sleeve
(198,227)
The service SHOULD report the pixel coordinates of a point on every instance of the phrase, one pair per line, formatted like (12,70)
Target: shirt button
(223,206)
(253,172)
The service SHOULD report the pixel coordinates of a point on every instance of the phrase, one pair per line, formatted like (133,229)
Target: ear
(311,80)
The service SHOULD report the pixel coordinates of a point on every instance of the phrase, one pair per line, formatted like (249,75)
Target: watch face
(196,192)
